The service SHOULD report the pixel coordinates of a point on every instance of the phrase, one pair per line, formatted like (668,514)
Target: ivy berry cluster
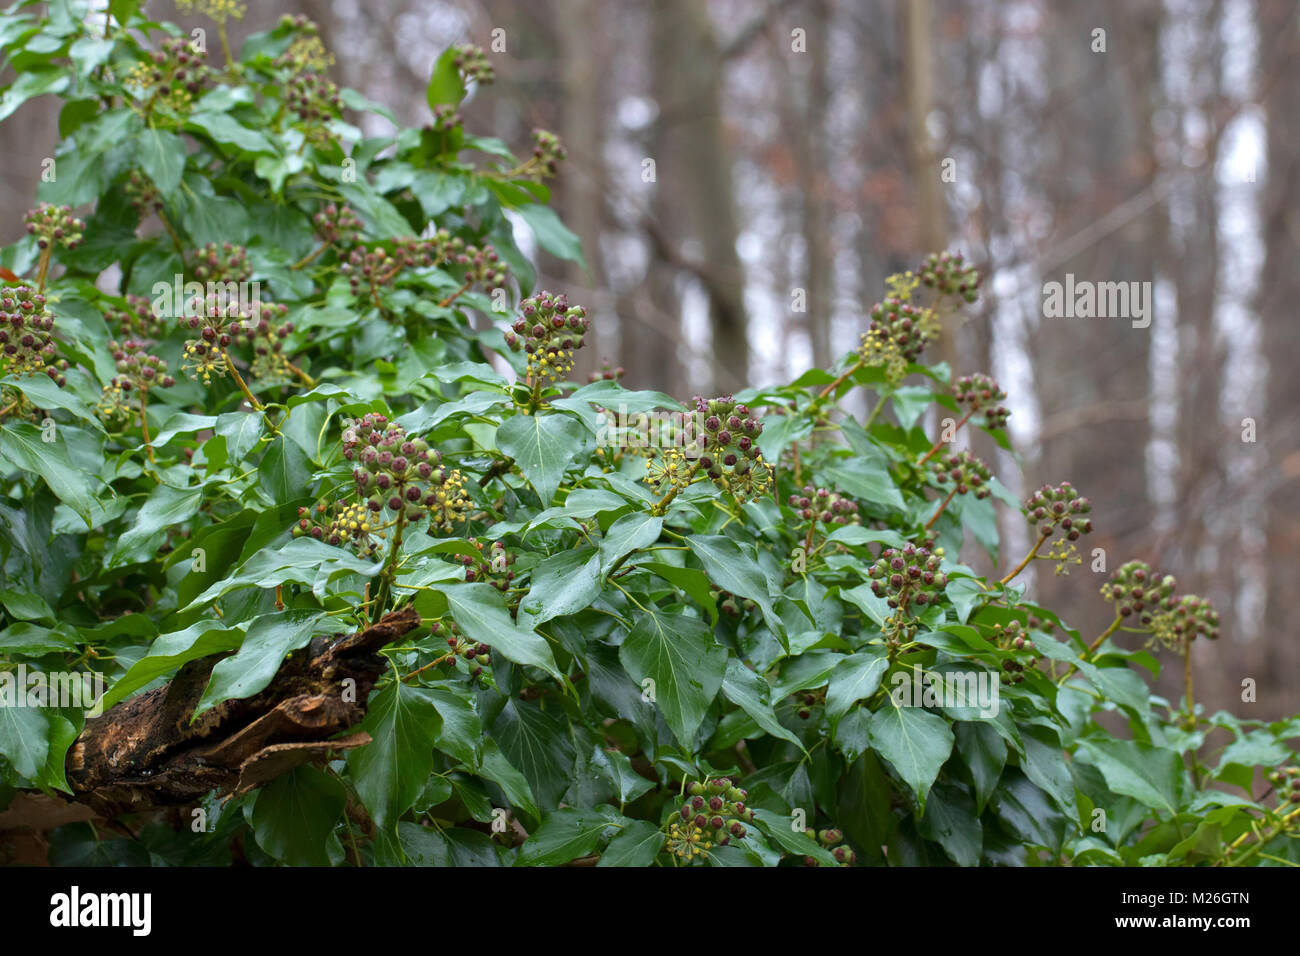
(831,838)
(606,373)
(337,225)
(143,193)
(315,100)
(445,119)
(492,567)
(173,75)
(1134,589)
(137,372)
(897,334)
(353,524)
(136,320)
(824,505)
(397,473)
(474,653)
(1191,617)
(548,331)
(222,324)
(908,575)
(966,472)
(472,64)
(729,445)
(26,344)
(1286,781)
(729,604)
(1061,507)
(979,393)
(713,814)
(808,699)
(221,263)
(548,153)
(1012,637)
(377,268)
(306,51)
(948,274)
(54,225)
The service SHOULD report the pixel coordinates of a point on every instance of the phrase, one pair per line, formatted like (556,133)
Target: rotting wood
(146,752)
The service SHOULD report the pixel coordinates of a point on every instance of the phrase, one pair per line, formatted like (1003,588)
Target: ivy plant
(288,435)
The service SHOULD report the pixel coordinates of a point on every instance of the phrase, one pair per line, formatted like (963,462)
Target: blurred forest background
(798,146)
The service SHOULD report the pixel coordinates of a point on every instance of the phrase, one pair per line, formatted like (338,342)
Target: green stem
(310,257)
(44,268)
(875,412)
(1114,626)
(239,380)
(225,45)
(661,506)
(389,575)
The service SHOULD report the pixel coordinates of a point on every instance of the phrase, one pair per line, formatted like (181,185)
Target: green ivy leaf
(750,693)
(445,85)
(552,235)
(165,509)
(915,742)
(391,770)
(566,835)
(264,647)
(481,614)
(800,843)
(1148,774)
(22,445)
(293,817)
(1028,812)
(162,155)
(24,733)
(543,446)
(855,677)
(632,532)
(637,844)
(169,651)
(736,571)
(952,821)
(537,742)
(562,584)
(686,664)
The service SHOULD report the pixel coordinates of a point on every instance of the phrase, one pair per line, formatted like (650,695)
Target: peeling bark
(148,752)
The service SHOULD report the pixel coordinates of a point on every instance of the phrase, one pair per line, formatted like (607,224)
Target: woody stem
(941,442)
(839,381)
(935,516)
(456,295)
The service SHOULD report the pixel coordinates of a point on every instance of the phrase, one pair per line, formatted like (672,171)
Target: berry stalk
(935,516)
(239,380)
(941,442)
(1033,553)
